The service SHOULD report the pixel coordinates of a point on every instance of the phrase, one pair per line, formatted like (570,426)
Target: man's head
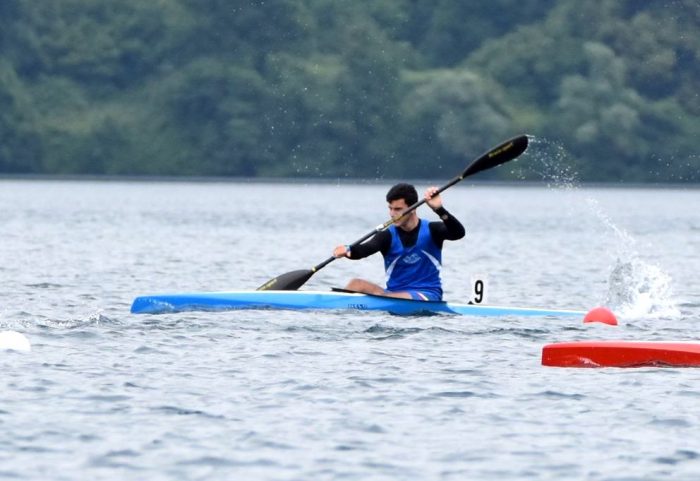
(400,197)
(402,191)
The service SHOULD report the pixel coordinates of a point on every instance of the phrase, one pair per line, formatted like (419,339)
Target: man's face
(398,207)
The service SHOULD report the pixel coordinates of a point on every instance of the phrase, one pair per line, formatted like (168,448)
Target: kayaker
(412,248)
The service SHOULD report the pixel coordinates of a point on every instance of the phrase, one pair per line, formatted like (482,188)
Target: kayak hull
(621,354)
(322,300)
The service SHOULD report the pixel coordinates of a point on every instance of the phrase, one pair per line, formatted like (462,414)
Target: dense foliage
(328,88)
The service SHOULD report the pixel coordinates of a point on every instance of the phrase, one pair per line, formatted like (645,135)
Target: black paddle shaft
(508,150)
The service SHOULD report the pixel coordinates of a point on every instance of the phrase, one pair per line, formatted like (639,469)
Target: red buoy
(601,314)
(621,354)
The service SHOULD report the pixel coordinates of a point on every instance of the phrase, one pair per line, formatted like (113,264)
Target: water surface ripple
(268,395)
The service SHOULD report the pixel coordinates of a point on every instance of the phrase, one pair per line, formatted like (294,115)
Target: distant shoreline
(326,181)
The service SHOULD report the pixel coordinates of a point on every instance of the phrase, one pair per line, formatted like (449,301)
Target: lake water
(107,395)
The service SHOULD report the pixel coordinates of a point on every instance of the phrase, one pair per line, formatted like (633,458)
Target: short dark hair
(402,191)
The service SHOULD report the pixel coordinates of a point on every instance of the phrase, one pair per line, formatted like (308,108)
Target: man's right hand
(341,251)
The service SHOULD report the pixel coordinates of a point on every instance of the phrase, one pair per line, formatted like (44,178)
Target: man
(412,248)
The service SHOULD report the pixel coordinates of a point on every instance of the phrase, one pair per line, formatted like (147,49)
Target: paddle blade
(508,150)
(290,281)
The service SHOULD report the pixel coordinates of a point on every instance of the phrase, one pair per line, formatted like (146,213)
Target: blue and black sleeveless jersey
(425,241)
(415,267)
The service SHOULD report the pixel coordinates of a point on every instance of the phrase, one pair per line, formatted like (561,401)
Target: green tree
(368,88)
(599,116)
(219,111)
(456,114)
(246,32)
(103,43)
(20,146)
(372,88)
(456,29)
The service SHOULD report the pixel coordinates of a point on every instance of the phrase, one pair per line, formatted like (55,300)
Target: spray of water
(636,288)
(548,162)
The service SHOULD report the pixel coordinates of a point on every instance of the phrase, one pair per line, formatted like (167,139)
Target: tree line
(340,89)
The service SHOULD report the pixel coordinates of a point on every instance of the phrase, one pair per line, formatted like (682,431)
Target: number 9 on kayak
(478,289)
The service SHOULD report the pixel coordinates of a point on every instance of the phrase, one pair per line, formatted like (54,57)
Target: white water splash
(636,288)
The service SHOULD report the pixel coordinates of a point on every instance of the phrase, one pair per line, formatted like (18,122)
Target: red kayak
(621,354)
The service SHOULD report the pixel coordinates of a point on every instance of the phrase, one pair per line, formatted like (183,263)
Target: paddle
(498,155)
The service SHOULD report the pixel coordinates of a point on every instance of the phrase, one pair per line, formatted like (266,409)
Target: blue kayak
(323,300)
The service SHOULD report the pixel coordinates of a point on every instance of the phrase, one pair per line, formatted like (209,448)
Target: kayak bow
(323,300)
